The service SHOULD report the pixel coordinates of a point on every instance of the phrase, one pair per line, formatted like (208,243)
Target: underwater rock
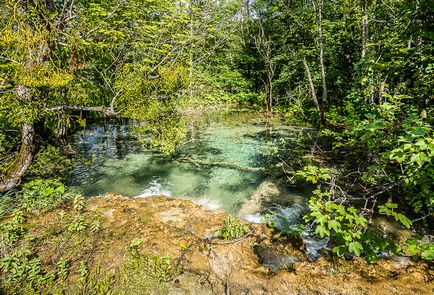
(265,193)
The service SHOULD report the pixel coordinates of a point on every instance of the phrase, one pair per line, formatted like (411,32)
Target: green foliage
(313,174)
(374,244)
(233,229)
(417,249)
(348,228)
(389,210)
(39,195)
(11,230)
(343,221)
(162,132)
(48,163)
(136,243)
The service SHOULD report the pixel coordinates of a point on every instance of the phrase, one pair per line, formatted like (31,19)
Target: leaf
(398,155)
(428,254)
(322,231)
(418,131)
(335,225)
(339,251)
(372,258)
(403,219)
(420,158)
(330,206)
(355,247)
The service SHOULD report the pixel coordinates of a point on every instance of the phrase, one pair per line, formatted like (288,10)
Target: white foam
(155,189)
(254,218)
(208,204)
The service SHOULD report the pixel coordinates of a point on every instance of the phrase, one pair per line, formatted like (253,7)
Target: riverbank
(165,245)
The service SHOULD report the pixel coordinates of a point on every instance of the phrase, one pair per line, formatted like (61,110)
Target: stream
(232,162)
(220,165)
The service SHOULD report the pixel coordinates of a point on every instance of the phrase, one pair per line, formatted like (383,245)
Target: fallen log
(199,163)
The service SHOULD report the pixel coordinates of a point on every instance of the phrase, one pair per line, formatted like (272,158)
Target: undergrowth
(55,257)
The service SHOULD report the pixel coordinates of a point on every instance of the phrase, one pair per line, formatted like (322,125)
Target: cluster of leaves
(40,195)
(349,230)
(22,271)
(313,174)
(418,249)
(233,229)
(389,210)
(342,222)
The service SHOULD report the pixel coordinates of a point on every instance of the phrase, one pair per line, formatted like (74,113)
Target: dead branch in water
(199,163)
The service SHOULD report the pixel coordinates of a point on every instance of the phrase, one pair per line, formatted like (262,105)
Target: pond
(222,162)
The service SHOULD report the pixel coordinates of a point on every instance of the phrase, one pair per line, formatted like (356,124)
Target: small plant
(12,229)
(344,223)
(348,228)
(83,273)
(135,244)
(79,224)
(183,247)
(79,203)
(233,229)
(417,249)
(39,195)
(62,268)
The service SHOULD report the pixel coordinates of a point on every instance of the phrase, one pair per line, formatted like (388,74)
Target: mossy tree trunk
(23,160)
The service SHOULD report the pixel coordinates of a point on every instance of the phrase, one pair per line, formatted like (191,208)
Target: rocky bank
(256,264)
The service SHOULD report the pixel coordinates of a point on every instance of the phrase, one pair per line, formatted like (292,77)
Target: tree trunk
(365,31)
(23,160)
(321,55)
(365,47)
(312,90)
(269,98)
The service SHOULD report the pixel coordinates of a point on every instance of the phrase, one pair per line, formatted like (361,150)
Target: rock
(275,260)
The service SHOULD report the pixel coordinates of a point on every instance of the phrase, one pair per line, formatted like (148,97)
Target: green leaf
(428,254)
(322,231)
(403,219)
(372,258)
(355,247)
(335,225)
(339,251)
(420,158)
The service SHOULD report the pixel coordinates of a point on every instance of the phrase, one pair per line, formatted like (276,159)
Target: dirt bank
(181,230)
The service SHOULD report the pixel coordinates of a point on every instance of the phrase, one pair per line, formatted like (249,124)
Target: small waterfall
(290,219)
(155,189)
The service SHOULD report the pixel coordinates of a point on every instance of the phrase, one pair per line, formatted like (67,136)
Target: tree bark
(321,54)
(270,75)
(313,94)
(23,160)
(265,49)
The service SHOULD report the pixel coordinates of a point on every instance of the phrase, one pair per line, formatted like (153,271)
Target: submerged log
(228,165)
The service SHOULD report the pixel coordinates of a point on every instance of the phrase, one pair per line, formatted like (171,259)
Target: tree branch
(107,111)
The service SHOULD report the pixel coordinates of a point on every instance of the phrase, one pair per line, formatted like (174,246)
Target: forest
(358,74)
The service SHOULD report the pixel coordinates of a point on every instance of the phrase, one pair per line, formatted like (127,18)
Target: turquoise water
(109,159)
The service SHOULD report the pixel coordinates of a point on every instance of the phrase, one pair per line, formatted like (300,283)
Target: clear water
(109,159)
